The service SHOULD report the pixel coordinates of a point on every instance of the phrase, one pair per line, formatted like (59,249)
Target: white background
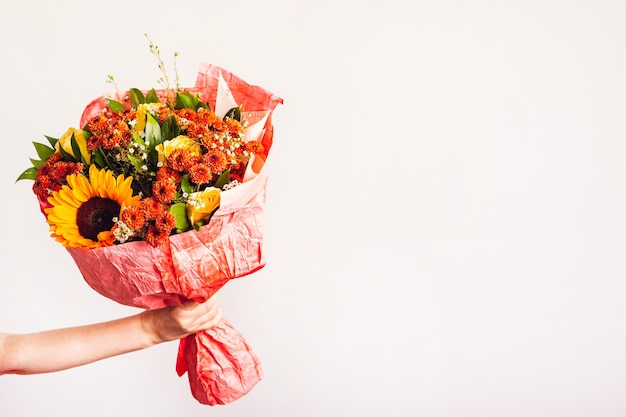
(446,213)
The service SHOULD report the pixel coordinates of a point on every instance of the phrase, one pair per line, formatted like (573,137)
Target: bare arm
(59,349)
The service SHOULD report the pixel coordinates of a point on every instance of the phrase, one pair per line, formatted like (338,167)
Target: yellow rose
(179,142)
(200,205)
(65,141)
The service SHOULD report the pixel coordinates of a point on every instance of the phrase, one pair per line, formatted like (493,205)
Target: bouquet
(159,199)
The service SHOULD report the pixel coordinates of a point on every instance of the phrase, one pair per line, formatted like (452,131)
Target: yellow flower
(82,212)
(66,143)
(202,204)
(179,142)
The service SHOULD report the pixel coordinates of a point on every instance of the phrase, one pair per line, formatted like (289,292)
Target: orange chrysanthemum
(51,175)
(187,114)
(200,173)
(210,120)
(43,187)
(176,159)
(255,146)
(167,172)
(165,222)
(233,126)
(61,170)
(164,190)
(195,130)
(133,217)
(128,114)
(151,207)
(163,113)
(108,130)
(156,237)
(216,160)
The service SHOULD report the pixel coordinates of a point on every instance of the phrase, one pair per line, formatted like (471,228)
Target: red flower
(133,217)
(200,173)
(155,237)
(165,222)
(164,190)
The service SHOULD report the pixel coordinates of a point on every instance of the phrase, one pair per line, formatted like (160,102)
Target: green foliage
(234,113)
(179,210)
(222,180)
(28,174)
(76,150)
(152,97)
(36,162)
(52,141)
(115,106)
(170,128)
(136,97)
(44,152)
(187,100)
(99,158)
(153,132)
(185,184)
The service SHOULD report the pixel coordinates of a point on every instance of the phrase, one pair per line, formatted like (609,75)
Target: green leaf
(138,139)
(179,210)
(152,97)
(36,162)
(99,159)
(199,103)
(28,174)
(137,162)
(184,101)
(76,150)
(52,141)
(187,100)
(153,131)
(222,180)
(153,157)
(115,106)
(136,97)
(170,128)
(185,184)
(234,113)
(44,151)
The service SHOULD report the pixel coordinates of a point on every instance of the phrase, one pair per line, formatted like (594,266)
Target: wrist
(149,328)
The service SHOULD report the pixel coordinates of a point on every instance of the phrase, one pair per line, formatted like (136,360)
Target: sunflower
(82,212)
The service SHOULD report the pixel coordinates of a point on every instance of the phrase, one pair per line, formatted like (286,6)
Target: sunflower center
(96,215)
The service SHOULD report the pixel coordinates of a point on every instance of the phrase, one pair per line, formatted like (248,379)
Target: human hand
(171,323)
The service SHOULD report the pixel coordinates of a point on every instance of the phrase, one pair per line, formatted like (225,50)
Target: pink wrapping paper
(194,265)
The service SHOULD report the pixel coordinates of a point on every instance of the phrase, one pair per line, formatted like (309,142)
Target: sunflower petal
(67,202)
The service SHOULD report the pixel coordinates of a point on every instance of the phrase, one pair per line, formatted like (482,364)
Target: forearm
(55,350)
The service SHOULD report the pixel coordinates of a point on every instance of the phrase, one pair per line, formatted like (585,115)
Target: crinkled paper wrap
(194,265)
